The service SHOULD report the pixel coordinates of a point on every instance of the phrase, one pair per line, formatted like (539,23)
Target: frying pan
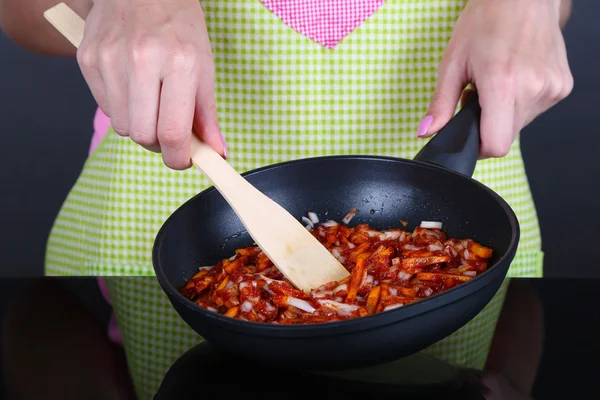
(436,185)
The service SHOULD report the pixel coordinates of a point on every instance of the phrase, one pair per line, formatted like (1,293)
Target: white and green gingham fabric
(280,96)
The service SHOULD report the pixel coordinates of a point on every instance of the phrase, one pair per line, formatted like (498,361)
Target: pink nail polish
(424,125)
(224,145)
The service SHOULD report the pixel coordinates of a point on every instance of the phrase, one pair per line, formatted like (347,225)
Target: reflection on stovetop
(205,370)
(568,369)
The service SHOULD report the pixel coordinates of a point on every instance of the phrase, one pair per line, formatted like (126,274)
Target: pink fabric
(114,334)
(326,22)
(101,126)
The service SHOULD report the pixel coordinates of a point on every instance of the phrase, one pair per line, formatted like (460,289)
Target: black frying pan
(436,185)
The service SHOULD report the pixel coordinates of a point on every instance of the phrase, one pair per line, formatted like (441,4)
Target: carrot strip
(479,250)
(355,280)
(429,276)
(420,262)
(373,299)
(387,269)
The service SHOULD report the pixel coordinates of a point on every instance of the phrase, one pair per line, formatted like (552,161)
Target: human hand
(497,387)
(514,54)
(149,66)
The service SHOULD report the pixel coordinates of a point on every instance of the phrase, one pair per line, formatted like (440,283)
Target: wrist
(560,8)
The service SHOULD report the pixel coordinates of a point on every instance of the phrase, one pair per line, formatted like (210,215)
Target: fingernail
(424,125)
(224,145)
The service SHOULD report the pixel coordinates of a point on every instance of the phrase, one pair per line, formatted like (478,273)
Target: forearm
(24,23)
(564,9)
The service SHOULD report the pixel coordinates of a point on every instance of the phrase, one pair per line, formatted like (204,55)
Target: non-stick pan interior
(383,190)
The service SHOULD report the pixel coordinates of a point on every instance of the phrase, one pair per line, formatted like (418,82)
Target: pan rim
(356,324)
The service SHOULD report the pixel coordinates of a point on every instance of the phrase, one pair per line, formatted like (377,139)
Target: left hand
(514,54)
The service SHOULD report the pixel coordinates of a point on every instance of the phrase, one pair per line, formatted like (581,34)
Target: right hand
(149,66)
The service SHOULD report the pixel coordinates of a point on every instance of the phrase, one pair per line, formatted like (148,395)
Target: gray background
(46,116)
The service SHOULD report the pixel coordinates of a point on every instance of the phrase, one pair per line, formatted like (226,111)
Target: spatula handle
(232,186)
(67,22)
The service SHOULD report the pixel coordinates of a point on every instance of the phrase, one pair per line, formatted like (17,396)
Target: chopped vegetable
(431,225)
(388,269)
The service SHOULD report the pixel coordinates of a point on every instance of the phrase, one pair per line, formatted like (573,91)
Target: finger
(451,81)
(175,118)
(113,70)
(144,95)
(206,123)
(88,64)
(497,100)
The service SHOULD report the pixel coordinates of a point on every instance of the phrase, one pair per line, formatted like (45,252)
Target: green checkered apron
(280,96)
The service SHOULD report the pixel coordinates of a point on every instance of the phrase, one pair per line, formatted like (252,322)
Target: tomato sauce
(388,269)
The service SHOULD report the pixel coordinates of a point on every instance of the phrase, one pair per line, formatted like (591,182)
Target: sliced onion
(329,224)
(267,289)
(435,247)
(393,291)
(392,234)
(308,222)
(208,267)
(343,286)
(246,306)
(403,276)
(428,291)
(349,216)
(409,246)
(269,280)
(470,273)
(340,308)
(337,253)
(467,254)
(396,261)
(313,217)
(212,309)
(322,293)
(301,304)
(351,245)
(308,227)
(431,225)
(243,285)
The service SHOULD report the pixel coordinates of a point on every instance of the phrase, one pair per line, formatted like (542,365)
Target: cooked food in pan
(388,269)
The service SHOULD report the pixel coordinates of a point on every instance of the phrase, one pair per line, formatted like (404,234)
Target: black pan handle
(456,145)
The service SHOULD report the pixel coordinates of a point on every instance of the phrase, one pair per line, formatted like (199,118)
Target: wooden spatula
(293,250)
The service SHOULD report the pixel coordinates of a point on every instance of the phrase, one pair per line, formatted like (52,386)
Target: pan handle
(456,145)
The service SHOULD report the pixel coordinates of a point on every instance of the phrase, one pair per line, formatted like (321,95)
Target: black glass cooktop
(205,370)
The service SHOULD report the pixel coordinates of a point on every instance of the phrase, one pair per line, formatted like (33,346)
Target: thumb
(206,123)
(445,99)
